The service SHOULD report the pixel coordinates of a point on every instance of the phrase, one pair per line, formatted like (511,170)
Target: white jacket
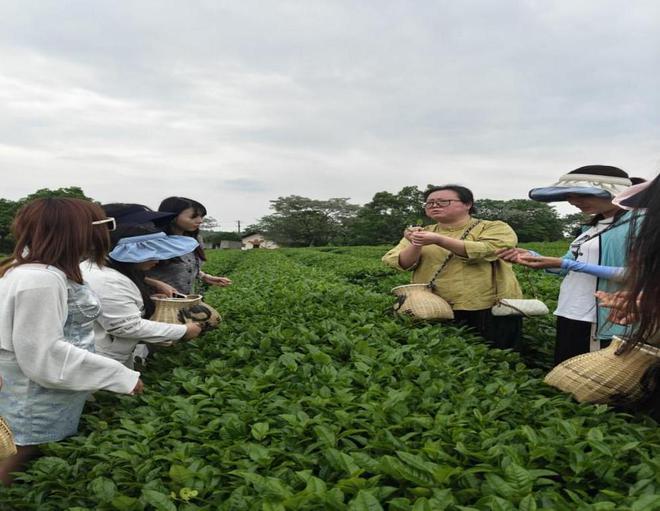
(121,326)
(33,311)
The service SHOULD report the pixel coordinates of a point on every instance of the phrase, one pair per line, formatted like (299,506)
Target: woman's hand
(539,262)
(511,254)
(192,330)
(617,302)
(139,387)
(161,287)
(422,238)
(215,281)
(410,230)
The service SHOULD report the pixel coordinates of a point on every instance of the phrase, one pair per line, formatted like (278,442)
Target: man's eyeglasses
(112,224)
(443,203)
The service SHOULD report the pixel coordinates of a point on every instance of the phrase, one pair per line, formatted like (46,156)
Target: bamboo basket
(7,445)
(419,302)
(605,377)
(190,309)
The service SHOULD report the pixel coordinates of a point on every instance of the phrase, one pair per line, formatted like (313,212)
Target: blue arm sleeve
(603,272)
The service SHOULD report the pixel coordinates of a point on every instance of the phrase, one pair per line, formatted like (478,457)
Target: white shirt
(121,326)
(33,311)
(576,295)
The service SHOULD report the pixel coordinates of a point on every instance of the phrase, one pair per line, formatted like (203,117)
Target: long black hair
(643,275)
(177,205)
(130,270)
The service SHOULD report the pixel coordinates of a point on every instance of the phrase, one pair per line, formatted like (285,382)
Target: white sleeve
(48,359)
(122,315)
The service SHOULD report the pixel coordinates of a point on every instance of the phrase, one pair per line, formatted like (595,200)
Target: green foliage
(9,208)
(299,221)
(311,396)
(532,220)
(384,218)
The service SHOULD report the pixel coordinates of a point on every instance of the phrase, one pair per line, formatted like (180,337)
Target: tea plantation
(311,396)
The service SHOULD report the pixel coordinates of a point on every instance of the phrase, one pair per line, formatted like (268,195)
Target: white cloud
(234,104)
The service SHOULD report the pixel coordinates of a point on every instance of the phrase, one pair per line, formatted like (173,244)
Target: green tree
(572,224)
(9,208)
(532,220)
(383,220)
(7,212)
(73,192)
(300,221)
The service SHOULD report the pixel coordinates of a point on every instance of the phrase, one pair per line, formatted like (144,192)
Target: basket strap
(431,284)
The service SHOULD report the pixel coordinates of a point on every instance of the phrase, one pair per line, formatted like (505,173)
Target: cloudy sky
(234,103)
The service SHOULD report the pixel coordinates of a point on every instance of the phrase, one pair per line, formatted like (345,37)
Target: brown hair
(59,232)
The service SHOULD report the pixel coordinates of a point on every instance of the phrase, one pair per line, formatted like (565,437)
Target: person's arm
(615,273)
(214,280)
(493,237)
(160,287)
(122,315)
(404,256)
(422,238)
(45,356)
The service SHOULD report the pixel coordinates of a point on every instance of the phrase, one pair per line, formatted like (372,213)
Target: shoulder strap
(431,284)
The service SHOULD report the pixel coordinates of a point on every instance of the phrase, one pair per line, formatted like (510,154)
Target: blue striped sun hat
(152,247)
(582,183)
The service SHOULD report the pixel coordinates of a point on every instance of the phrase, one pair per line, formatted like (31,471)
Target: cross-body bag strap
(599,233)
(431,284)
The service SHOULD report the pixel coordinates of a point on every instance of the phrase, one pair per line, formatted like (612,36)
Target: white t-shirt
(576,295)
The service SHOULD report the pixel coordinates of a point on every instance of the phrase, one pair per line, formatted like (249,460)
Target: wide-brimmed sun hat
(601,181)
(152,247)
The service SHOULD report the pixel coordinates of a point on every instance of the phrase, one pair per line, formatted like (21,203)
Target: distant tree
(532,220)
(7,212)
(300,221)
(218,236)
(74,192)
(572,224)
(383,219)
(209,223)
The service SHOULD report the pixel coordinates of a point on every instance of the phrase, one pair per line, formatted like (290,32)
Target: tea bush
(311,396)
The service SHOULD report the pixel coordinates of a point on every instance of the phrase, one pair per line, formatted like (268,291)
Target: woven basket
(605,377)
(419,302)
(190,309)
(7,445)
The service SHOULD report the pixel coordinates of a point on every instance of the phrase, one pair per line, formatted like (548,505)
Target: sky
(236,103)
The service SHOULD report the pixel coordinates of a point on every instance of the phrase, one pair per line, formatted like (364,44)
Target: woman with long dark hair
(183,272)
(639,303)
(47,313)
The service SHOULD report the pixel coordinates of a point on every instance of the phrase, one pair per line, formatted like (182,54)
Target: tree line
(300,221)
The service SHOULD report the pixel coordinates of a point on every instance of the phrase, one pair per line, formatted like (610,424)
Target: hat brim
(561,193)
(633,198)
(152,247)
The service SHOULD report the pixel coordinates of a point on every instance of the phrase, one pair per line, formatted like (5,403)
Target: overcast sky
(236,103)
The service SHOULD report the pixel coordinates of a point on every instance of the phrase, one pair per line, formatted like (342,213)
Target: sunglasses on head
(112,224)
